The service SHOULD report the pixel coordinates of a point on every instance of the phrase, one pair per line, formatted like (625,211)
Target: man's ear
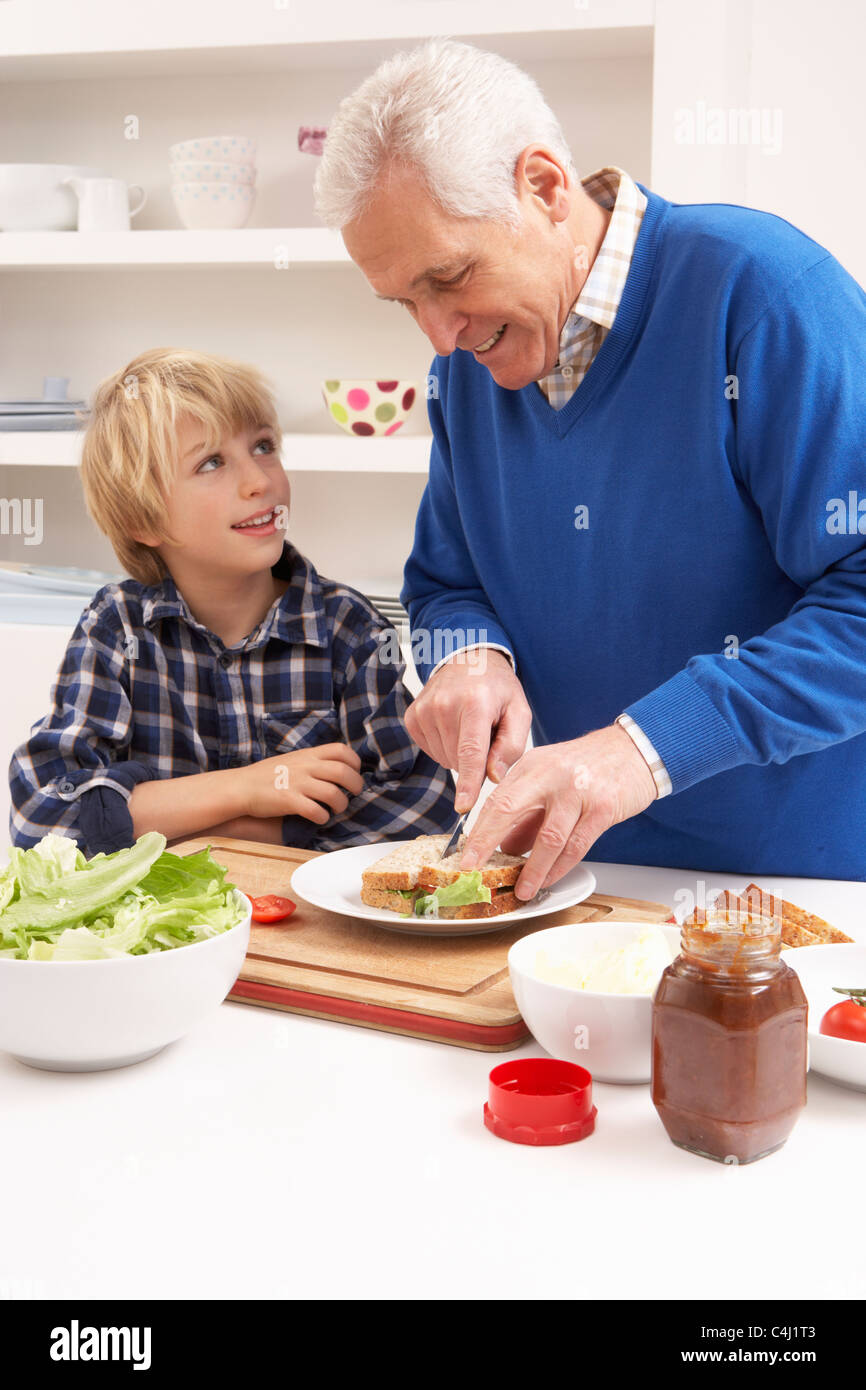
(539,174)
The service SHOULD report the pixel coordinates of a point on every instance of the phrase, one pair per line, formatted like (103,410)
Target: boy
(225,687)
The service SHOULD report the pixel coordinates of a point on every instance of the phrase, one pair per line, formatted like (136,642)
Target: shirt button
(225,660)
(567,371)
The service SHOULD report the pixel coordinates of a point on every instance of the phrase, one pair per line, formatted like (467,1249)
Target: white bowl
(609,1034)
(213,204)
(89,1015)
(238,149)
(819,969)
(209,171)
(33,197)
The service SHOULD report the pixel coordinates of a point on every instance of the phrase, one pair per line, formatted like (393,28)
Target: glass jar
(729,1040)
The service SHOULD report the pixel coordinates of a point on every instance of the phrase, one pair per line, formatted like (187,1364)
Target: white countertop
(269,1155)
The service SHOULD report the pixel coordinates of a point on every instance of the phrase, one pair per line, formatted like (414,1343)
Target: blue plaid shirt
(146,691)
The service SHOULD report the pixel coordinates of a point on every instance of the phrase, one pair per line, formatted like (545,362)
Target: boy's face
(215,493)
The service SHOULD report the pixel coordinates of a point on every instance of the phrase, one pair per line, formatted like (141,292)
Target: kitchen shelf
(262,246)
(302,453)
(103,39)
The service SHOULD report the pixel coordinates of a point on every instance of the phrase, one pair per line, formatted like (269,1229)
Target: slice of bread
(502,901)
(798,927)
(390,898)
(401,867)
(500,871)
(727,907)
(802,928)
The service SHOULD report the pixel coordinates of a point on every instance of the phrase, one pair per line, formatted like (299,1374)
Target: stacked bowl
(213,180)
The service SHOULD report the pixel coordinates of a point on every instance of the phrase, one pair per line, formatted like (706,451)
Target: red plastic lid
(540,1100)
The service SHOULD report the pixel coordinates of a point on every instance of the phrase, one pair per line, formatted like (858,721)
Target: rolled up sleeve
(73,775)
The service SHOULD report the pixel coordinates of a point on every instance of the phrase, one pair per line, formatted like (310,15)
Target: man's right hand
(473,699)
(309,782)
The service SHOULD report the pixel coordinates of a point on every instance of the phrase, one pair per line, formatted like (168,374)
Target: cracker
(802,928)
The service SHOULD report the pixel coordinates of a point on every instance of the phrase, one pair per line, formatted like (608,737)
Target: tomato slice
(270,908)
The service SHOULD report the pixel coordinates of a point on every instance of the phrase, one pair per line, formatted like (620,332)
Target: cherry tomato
(270,908)
(848,1019)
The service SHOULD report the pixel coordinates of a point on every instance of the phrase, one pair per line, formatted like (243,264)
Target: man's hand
(474,694)
(558,800)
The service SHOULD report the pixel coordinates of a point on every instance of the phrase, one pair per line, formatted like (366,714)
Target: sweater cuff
(431,646)
(492,646)
(688,733)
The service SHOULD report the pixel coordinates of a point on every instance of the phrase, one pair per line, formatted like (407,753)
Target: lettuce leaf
(62,906)
(466,888)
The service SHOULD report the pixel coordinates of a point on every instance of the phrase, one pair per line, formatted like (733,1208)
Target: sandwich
(415,880)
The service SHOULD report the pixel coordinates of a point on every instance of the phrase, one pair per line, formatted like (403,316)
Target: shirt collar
(600,297)
(298,616)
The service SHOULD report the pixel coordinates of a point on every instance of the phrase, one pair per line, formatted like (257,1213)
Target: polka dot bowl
(213,204)
(236,148)
(370,407)
(203,171)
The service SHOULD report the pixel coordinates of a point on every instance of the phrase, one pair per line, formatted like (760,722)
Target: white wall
(799,65)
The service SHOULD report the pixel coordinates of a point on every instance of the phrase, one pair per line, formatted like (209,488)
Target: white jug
(103,204)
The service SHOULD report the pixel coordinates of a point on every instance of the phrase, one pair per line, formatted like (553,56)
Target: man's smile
(491,341)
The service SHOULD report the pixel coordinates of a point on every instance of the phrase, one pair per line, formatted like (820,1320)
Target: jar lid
(540,1100)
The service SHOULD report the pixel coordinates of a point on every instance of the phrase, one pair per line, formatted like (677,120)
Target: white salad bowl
(608,1034)
(90,1015)
(35,197)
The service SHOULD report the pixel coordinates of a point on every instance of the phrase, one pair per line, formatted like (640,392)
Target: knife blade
(451,846)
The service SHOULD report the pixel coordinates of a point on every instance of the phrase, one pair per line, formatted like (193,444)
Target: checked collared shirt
(145,691)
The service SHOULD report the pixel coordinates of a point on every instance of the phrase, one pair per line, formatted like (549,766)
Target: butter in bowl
(585,992)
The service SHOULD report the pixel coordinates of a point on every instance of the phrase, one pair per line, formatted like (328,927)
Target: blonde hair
(458,115)
(129,452)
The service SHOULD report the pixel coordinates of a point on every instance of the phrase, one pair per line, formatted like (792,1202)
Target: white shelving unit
(302,453)
(98,36)
(290,248)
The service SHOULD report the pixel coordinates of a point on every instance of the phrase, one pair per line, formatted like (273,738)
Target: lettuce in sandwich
(466,888)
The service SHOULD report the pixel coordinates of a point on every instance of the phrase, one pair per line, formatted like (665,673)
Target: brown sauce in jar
(729,1041)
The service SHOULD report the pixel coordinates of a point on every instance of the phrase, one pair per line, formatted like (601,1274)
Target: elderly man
(646,419)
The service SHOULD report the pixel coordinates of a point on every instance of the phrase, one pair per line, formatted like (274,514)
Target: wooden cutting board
(447,989)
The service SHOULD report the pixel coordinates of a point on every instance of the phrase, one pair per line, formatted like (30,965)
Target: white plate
(333,881)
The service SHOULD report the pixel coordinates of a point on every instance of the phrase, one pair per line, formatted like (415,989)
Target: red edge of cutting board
(373,1015)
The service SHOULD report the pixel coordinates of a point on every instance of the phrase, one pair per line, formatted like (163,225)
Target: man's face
(465,281)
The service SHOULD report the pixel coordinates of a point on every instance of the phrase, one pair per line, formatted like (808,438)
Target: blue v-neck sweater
(684,540)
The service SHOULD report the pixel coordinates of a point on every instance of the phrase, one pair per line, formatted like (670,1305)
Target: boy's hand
(310,782)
